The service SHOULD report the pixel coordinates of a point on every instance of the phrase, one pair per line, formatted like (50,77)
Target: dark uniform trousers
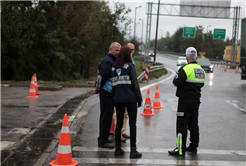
(187,118)
(132,113)
(107,109)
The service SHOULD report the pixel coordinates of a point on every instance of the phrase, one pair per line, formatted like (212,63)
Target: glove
(139,104)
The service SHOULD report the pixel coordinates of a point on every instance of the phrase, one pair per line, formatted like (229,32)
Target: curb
(49,87)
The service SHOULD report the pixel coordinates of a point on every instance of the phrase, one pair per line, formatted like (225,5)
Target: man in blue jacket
(103,86)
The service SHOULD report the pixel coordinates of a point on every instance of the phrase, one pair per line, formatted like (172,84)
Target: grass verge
(140,67)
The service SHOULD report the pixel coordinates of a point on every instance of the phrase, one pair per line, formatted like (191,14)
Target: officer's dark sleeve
(180,78)
(105,73)
(135,85)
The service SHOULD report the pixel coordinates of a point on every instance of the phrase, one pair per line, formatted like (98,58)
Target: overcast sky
(172,23)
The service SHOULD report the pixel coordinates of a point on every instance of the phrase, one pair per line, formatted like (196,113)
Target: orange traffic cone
(112,124)
(157,101)
(32,93)
(225,68)
(64,152)
(147,106)
(236,70)
(36,84)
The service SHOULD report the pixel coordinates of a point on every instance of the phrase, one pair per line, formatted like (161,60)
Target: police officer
(189,81)
(123,130)
(104,87)
(126,93)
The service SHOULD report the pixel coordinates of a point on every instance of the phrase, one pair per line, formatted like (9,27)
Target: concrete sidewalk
(21,116)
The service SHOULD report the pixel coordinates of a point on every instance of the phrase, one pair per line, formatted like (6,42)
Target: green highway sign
(189,32)
(219,34)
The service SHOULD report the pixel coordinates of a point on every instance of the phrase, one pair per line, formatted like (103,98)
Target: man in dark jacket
(103,86)
(189,81)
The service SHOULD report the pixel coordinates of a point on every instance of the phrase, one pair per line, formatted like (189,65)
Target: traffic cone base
(147,113)
(73,163)
(157,105)
(32,96)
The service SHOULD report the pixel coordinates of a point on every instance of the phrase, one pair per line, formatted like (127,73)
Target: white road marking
(157,161)
(71,118)
(148,86)
(6,144)
(235,105)
(160,150)
(174,103)
(80,114)
(20,130)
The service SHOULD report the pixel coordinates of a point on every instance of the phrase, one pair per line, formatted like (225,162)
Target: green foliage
(176,43)
(61,40)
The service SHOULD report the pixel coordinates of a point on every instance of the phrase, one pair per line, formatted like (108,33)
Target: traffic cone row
(34,88)
(64,152)
(156,104)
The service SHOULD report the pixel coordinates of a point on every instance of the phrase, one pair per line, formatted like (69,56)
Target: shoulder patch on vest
(199,74)
(118,71)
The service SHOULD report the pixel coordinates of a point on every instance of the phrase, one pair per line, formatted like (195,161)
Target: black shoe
(110,140)
(118,150)
(192,150)
(175,152)
(107,145)
(134,153)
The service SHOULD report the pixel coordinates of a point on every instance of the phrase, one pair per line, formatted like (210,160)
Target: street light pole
(156,35)
(142,31)
(135,21)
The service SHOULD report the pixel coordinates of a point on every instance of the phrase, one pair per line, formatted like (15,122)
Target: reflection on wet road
(222,126)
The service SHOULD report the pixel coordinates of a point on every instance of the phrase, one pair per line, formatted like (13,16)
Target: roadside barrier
(152,69)
(146,75)
(112,124)
(64,152)
(36,84)
(32,92)
(147,106)
(157,101)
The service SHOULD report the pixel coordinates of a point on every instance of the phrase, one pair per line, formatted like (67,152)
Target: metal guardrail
(228,65)
(152,69)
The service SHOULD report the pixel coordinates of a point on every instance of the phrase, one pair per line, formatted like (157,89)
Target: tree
(58,40)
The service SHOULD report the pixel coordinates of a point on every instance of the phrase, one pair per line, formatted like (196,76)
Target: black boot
(134,153)
(118,150)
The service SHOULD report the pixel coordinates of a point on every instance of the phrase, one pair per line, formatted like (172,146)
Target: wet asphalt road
(221,120)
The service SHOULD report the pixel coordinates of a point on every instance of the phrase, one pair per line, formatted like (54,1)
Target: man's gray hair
(114,43)
(191,56)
